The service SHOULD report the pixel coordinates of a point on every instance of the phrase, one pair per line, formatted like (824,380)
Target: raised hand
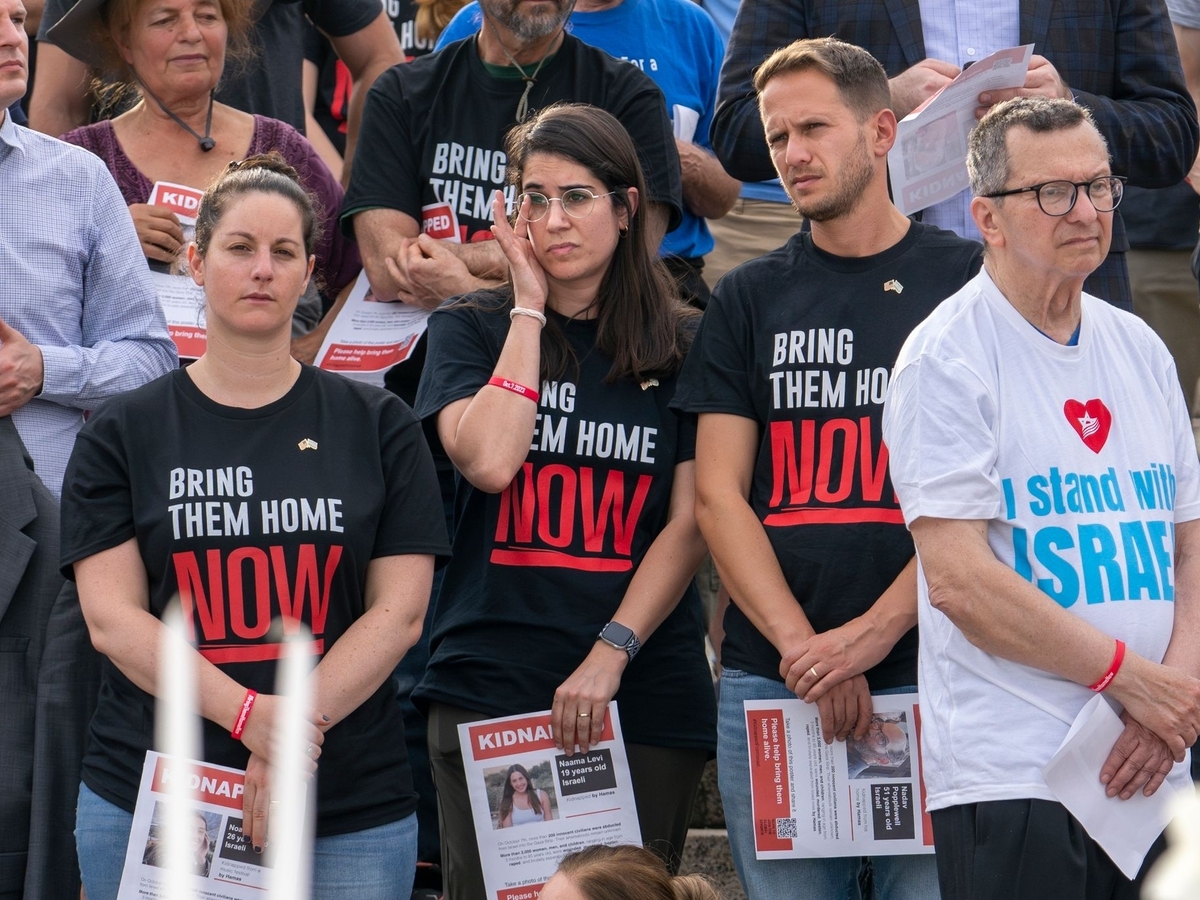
(528,277)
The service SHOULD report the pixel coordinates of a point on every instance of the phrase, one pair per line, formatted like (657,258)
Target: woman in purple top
(173,53)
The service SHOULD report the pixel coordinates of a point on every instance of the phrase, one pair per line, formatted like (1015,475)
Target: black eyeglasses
(1057,198)
(577,203)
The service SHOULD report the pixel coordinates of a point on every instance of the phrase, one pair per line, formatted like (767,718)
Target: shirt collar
(10,136)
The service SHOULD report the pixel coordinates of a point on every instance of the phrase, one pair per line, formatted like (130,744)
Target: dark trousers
(1026,849)
(664,785)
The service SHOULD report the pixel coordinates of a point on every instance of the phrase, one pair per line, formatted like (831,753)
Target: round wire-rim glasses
(1057,198)
(577,203)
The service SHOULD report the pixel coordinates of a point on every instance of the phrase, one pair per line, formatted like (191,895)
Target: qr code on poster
(786,828)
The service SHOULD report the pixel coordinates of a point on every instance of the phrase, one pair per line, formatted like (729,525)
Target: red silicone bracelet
(243,715)
(514,387)
(1113,668)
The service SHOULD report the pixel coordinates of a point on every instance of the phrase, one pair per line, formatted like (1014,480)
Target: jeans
(893,877)
(373,864)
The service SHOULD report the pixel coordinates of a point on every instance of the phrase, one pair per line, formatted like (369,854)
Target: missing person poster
(368,336)
(226,866)
(534,804)
(858,797)
(182,300)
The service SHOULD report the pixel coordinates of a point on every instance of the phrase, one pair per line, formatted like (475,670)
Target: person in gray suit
(48,678)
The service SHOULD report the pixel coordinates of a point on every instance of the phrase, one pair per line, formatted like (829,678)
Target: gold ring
(815,676)
(584,715)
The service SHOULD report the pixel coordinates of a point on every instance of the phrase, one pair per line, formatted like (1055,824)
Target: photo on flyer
(859,797)
(533,804)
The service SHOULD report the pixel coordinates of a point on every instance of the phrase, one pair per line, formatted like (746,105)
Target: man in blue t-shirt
(677,44)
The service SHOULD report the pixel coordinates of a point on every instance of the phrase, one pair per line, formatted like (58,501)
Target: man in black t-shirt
(788,375)
(419,203)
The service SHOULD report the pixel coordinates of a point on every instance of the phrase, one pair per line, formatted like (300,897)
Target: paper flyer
(928,162)
(585,799)
(368,336)
(227,868)
(182,302)
(849,798)
(1124,828)
(180,199)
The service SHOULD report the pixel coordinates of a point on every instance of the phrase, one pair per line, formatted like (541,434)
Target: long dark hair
(506,799)
(641,321)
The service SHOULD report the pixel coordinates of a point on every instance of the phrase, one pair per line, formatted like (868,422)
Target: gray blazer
(49,675)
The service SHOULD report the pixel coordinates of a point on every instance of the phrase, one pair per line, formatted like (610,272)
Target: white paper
(368,337)
(928,162)
(1125,829)
(684,120)
(182,302)
(227,868)
(590,794)
(848,798)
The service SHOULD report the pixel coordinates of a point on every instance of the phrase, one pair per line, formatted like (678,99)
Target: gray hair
(987,147)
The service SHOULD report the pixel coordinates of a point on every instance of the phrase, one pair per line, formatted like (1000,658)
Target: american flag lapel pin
(893,285)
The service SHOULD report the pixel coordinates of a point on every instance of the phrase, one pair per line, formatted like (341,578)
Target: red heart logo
(1091,421)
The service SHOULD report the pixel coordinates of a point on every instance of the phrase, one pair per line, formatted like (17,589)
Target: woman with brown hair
(247,491)
(169,55)
(622,873)
(575,540)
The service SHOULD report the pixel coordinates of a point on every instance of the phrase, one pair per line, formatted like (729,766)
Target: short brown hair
(859,77)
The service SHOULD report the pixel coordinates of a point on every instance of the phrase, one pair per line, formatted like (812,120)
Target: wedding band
(815,676)
(584,715)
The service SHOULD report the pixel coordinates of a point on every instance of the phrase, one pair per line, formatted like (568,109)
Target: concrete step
(707,853)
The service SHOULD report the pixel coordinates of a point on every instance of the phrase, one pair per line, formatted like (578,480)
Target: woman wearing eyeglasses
(575,537)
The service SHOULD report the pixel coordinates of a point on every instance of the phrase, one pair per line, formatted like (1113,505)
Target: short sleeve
(461,357)
(939,425)
(717,375)
(385,166)
(413,520)
(97,500)
(1187,464)
(338,18)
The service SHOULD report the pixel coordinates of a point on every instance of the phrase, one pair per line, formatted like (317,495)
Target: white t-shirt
(1081,459)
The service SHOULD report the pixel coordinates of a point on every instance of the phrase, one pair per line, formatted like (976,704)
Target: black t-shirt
(420,154)
(246,512)
(542,566)
(334,82)
(803,343)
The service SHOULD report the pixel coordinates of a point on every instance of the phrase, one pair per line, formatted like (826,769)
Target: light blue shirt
(74,282)
(963,32)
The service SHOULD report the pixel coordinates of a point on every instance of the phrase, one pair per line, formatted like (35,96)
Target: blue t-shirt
(674,42)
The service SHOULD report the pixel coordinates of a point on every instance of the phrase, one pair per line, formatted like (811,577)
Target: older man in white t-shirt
(1042,454)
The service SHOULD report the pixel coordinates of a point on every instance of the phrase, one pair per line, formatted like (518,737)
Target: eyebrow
(566,187)
(249,236)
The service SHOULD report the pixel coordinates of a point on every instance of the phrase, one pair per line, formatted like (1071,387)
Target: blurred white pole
(294,800)
(177,734)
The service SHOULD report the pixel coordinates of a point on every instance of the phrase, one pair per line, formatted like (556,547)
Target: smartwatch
(617,635)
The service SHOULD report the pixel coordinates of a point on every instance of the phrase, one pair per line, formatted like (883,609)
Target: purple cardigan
(338,261)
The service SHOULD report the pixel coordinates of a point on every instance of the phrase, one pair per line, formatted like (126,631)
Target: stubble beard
(524,26)
(856,175)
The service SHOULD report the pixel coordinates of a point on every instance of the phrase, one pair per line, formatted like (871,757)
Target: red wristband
(514,387)
(239,726)
(1113,668)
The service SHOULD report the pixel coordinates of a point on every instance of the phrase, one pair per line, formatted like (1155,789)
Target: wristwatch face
(617,634)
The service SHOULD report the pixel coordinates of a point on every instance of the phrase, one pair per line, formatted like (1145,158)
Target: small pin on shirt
(893,285)
(649,383)
(307,444)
